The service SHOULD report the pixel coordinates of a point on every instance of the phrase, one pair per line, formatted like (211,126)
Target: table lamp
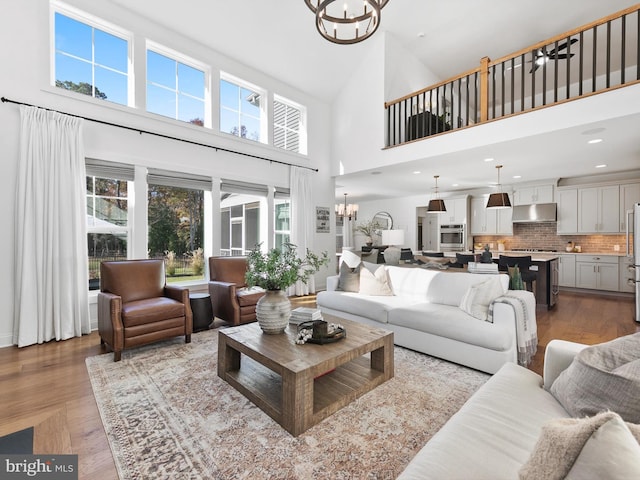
(394,239)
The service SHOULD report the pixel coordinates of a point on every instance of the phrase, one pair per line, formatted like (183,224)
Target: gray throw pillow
(349,278)
(603,377)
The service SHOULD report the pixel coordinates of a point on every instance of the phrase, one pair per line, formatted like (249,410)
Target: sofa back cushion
(410,282)
(450,288)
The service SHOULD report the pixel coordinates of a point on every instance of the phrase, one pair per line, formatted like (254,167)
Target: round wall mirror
(384,220)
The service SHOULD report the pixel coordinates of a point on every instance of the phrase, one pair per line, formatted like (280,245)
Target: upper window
(287,126)
(241,110)
(176,89)
(91,60)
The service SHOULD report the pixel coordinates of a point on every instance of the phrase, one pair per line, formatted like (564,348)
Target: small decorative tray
(320,334)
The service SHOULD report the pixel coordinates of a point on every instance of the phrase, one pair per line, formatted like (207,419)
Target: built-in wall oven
(452,237)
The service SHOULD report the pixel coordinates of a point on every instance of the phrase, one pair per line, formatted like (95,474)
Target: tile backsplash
(543,235)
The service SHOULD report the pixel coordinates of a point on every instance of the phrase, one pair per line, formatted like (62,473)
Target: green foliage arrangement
(278,269)
(369,227)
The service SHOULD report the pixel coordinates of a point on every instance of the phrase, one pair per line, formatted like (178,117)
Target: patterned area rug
(168,415)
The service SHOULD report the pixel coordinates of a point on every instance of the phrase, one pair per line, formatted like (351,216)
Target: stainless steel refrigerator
(636,253)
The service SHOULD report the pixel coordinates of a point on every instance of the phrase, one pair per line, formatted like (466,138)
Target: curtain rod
(7,100)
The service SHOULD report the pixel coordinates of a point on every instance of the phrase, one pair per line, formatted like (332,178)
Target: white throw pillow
(351,259)
(477,298)
(375,283)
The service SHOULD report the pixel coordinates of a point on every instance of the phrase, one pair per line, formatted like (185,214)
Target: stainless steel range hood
(540,212)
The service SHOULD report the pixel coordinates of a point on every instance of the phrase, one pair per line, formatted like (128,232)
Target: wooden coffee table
(300,385)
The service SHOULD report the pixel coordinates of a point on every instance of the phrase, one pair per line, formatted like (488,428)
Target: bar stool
(529,277)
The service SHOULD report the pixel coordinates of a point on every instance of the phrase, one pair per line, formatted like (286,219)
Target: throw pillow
(375,283)
(352,259)
(477,298)
(349,278)
(603,377)
(588,448)
(515,278)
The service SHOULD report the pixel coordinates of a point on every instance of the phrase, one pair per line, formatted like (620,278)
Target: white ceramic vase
(273,311)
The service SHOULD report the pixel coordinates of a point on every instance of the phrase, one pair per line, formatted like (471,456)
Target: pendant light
(500,199)
(436,205)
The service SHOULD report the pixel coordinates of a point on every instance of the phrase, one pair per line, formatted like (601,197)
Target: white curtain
(302,221)
(347,233)
(51,265)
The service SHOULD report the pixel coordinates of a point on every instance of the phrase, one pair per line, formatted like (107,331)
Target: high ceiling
(278,37)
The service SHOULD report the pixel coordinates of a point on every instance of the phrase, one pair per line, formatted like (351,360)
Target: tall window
(282,228)
(107,221)
(91,60)
(243,221)
(287,123)
(176,223)
(175,89)
(241,110)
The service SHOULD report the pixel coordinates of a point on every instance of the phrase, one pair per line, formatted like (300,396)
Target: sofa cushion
(586,448)
(373,307)
(493,433)
(249,296)
(410,282)
(603,377)
(451,322)
(448,288)
(349,278)
(477,298)
(374,283)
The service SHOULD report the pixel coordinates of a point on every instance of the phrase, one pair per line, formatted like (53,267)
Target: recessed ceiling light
(421,35)
(417,172)
(377,172)
(601,166)
(455,184)
(595,140)
(488,159)
(517,176)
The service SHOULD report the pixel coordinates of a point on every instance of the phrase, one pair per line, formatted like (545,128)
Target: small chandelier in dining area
(436,204)
(348,21)
(349,211)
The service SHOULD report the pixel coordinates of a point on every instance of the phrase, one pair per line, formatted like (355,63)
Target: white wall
(24,34)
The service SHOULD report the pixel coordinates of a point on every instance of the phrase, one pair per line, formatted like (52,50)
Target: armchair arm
(110,319)
(181,294)
(557,357)
(224,302)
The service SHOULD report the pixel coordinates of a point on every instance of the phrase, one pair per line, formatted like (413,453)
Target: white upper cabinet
(599,209)
(534,194)
(457,211)
(489,221)
(629,195)
(567,211)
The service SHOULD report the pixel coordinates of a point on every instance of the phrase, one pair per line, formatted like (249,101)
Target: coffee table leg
(297,401)
(228,358)
(382,358)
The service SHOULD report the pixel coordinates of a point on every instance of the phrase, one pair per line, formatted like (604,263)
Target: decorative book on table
(305,314)
(476,267)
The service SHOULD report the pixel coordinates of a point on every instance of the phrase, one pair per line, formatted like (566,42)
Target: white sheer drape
(51,266)
(302,222)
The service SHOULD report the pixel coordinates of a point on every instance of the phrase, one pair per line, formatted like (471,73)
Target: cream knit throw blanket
(560,444)
(524,306)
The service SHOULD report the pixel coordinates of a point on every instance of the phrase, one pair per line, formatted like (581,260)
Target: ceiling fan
(542,56)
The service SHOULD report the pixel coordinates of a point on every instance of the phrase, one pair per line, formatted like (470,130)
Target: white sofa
(495,431)
(424,315)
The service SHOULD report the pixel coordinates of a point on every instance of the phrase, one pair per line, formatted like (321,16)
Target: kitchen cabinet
(629,195)
(626,274)
(457,211)
(489,221)
(598,272)
(599,209)
(567,211)
(532,195)
(567,270)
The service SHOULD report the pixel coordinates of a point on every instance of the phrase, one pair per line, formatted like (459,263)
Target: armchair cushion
(140,312)
(249,296)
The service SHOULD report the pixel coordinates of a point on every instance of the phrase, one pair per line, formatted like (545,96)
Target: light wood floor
(47,386)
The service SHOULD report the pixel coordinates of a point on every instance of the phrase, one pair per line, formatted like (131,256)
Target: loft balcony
(595,58)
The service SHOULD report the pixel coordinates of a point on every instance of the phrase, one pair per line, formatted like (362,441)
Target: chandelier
(500,199)
(347,22)
(349,211)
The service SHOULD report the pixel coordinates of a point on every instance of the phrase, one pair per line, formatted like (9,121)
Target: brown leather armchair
(231,300)
(136,307)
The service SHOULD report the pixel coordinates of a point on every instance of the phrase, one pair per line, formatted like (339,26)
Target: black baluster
(594,59)
(608,74)
(623,48)
(533,79)
(555,73)
(581,66)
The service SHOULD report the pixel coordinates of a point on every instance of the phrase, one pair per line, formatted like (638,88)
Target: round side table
(202,311)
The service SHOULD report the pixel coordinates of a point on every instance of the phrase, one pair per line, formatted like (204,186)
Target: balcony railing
(594,58)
